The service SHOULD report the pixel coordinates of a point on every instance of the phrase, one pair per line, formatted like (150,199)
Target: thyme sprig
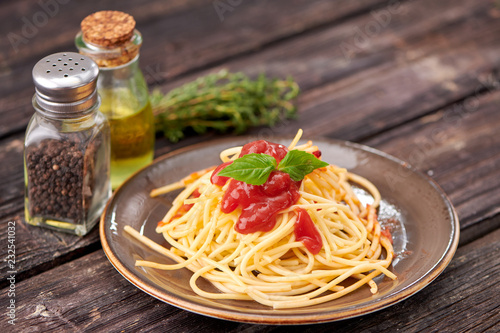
(223,101)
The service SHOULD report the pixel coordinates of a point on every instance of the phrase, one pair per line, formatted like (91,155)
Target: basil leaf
(298,164)
(252,169)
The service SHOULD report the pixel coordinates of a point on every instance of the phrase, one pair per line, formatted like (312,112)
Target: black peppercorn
(61,184)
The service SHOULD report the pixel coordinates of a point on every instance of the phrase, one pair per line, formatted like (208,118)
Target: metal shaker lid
(65,83)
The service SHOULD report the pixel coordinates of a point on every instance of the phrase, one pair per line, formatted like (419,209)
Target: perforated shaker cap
(65,84)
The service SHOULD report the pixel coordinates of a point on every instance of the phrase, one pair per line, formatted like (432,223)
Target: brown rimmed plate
(424,225)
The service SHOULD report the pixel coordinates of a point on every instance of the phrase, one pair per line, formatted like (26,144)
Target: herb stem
(223,101)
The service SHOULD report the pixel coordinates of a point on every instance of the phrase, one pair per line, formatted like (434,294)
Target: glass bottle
(67,146)
(110,39)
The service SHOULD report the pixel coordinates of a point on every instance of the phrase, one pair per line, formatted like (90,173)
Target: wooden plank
(25,43)
(17,87)
(88,294)
(421,77)
(316,69)
(387,85)
(356,122)
(34,29)
(459,147)
(442,60)
(172,22)
(23,46)
(175,41)
(418,66)
(38,249)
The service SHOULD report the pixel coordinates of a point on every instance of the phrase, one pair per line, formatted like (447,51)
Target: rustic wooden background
(415,79)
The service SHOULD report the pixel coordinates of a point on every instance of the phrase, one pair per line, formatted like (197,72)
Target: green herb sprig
(223,101)
(254,168)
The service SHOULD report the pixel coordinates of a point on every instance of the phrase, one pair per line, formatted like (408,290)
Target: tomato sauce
(261,203)
(306,232)
(387,234)
(219,180)
(276,150)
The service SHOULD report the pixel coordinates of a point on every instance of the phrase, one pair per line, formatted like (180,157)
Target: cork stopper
(109,38)
(108,28)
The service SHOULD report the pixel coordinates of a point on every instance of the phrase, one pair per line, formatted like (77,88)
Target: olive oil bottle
(111,40)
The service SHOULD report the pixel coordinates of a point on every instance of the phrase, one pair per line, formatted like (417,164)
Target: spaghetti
(278,268)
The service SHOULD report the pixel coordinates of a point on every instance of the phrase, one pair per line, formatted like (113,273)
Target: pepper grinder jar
(111,40)
(67,146)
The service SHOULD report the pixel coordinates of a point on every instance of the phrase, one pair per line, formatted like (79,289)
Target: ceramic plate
(424,226)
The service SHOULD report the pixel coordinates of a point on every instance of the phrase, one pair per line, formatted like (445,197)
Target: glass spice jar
(67,146)
(110,39)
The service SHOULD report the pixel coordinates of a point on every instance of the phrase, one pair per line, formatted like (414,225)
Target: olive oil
(132,137)
(110,38)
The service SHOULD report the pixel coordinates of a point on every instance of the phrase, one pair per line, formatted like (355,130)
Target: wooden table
(415,79)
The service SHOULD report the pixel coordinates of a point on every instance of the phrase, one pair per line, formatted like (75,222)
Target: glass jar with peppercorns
(67,146)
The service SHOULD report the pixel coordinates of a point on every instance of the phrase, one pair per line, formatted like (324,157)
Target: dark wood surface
(416,79)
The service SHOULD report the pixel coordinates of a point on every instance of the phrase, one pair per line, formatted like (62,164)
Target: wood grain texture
(37,249)
(407,80)
(413,68)
(416,79)
(184,42)
(19,54)
(459,147)
(36,35)
(100,299)
(435,137)
(175,39)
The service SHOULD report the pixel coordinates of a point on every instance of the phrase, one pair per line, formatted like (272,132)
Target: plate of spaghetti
(280,231)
